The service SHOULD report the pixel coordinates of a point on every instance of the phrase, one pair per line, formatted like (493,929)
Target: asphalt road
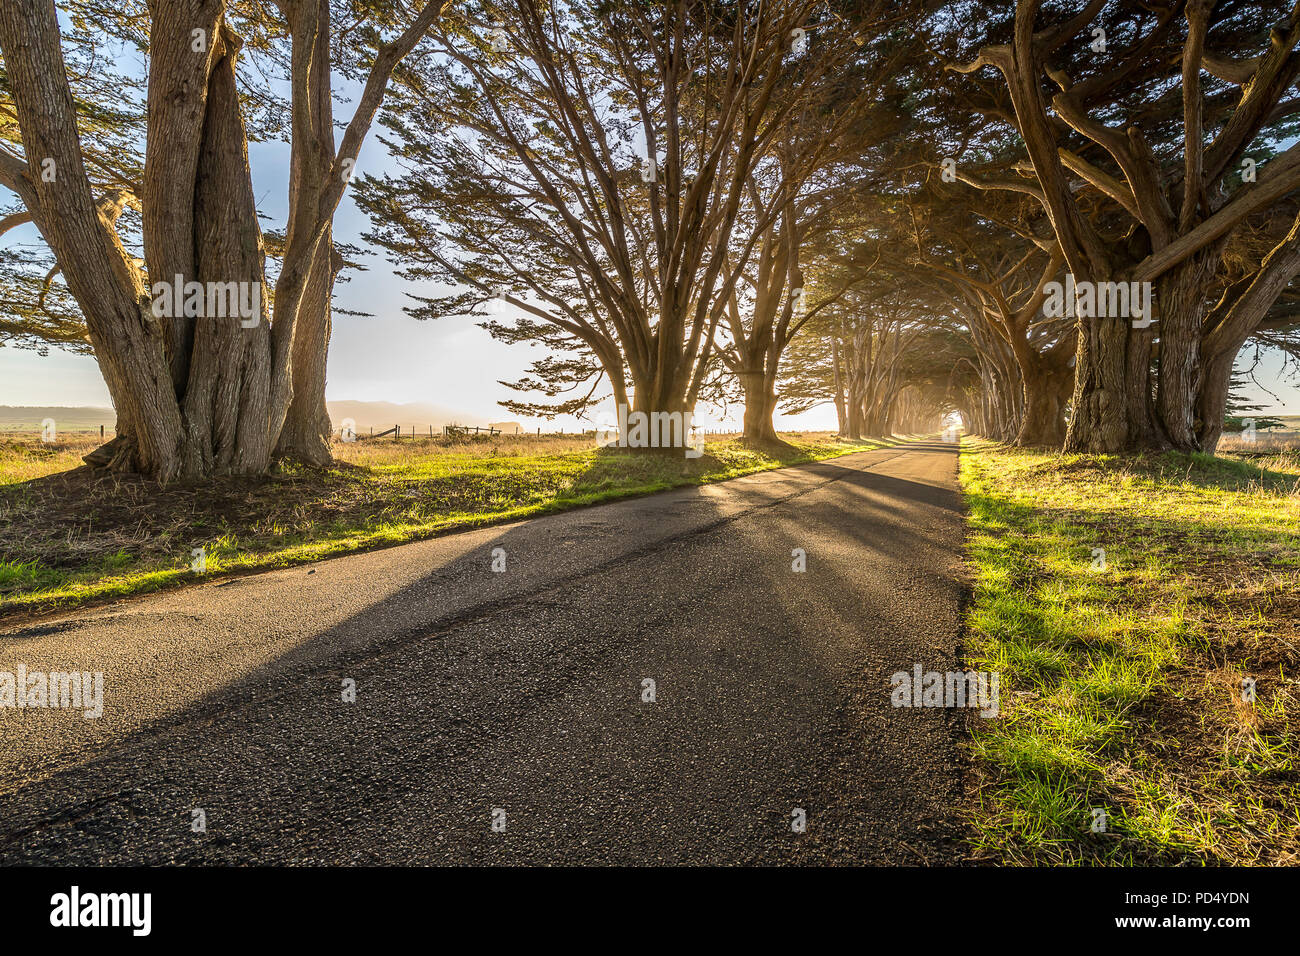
(517,697)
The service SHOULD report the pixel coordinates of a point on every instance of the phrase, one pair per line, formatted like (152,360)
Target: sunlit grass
(1121,671)
(25,457)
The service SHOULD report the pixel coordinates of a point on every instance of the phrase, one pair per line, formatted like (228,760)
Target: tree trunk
(856,400)
(1043,424)
(657,398)
(227,398)
(128,340)
(306,432)
(666,395)
(760,405)
(196,392)
(1182,318)
(841,411)
(1100,422)
(1212,400)
(307,427)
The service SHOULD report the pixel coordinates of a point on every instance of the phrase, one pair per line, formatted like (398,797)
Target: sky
(392,357)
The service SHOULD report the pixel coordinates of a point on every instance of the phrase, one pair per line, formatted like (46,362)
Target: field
(71,537)
(67,420)
(1132,606)
(1265,443)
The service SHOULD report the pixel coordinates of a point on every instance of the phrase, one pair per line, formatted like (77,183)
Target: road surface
(505,716)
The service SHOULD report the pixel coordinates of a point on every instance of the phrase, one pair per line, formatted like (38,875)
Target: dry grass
(24,457)
(1265,443)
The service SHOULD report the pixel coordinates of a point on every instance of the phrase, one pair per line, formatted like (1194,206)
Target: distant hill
(384,415)
(367,415)
(508,428)
(66,417)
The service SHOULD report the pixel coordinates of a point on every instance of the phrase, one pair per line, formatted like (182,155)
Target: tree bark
(1182,296)
(1212,400)
(1043,424)
(227,401)
(307,427)
(760,405)
(1100,420)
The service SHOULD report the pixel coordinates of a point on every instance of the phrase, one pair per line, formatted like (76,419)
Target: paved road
(522,691)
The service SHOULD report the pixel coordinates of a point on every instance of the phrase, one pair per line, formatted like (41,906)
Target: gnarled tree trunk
(198,391)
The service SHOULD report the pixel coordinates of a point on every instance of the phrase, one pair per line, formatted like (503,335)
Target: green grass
(70,538)
(1121,685)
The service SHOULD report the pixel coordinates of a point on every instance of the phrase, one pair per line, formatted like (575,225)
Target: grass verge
(1124,601)
(72,536)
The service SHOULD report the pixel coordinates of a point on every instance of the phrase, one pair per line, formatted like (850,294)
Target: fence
(399,432)
(80,430)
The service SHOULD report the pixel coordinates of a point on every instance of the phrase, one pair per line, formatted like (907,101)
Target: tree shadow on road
(525,693)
